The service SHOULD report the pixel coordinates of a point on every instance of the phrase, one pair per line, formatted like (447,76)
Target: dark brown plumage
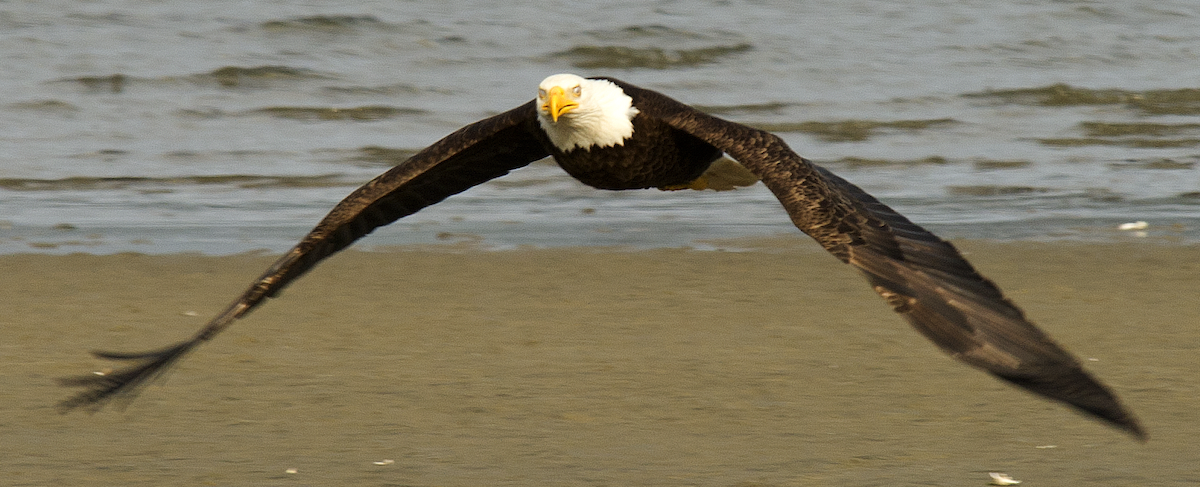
(660,156)
(921,276)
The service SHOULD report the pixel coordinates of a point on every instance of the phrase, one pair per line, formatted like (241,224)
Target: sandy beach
(451,366)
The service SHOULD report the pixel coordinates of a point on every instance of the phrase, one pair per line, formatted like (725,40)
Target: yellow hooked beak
(557,103)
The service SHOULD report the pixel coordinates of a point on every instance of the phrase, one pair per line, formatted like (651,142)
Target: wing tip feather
(1078,389)
(121,385)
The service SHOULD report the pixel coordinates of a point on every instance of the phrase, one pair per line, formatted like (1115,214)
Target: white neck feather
(604,117)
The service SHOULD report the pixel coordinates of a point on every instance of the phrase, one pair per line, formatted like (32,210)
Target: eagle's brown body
(659,157)
(922,277)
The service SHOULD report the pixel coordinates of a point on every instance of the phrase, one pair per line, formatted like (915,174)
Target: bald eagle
(612,135)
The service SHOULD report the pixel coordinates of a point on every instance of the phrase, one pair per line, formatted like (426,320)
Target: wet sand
(453,367)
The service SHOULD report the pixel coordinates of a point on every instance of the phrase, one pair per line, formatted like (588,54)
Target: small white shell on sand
(1002,479)
(385,462)
(291,470)
(1138,225)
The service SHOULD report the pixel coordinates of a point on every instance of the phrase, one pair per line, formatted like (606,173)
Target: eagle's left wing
(922,277)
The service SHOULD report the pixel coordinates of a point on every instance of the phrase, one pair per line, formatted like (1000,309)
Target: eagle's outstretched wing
(470,156)
(922,277)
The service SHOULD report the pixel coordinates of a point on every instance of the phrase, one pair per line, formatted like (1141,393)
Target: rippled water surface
(223,127)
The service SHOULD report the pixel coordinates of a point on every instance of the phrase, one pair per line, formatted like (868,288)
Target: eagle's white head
(576,112)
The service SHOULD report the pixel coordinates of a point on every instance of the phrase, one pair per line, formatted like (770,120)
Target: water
(223,127)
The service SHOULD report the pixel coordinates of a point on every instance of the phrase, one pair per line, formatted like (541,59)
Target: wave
(325,23)
(1181,101)
(850,130)
(361,113)
(228,77)
(623,57)
(163,184)
(656,32)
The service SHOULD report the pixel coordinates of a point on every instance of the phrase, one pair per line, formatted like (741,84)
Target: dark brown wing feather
(470,156)
(922,277)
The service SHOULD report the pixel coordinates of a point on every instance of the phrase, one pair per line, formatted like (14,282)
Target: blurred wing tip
(122,385)
(1125,421)
(1133,427)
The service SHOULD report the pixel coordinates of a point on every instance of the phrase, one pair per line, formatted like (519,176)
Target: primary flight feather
(613,135)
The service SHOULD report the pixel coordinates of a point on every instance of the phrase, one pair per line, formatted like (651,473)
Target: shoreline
(776,365)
